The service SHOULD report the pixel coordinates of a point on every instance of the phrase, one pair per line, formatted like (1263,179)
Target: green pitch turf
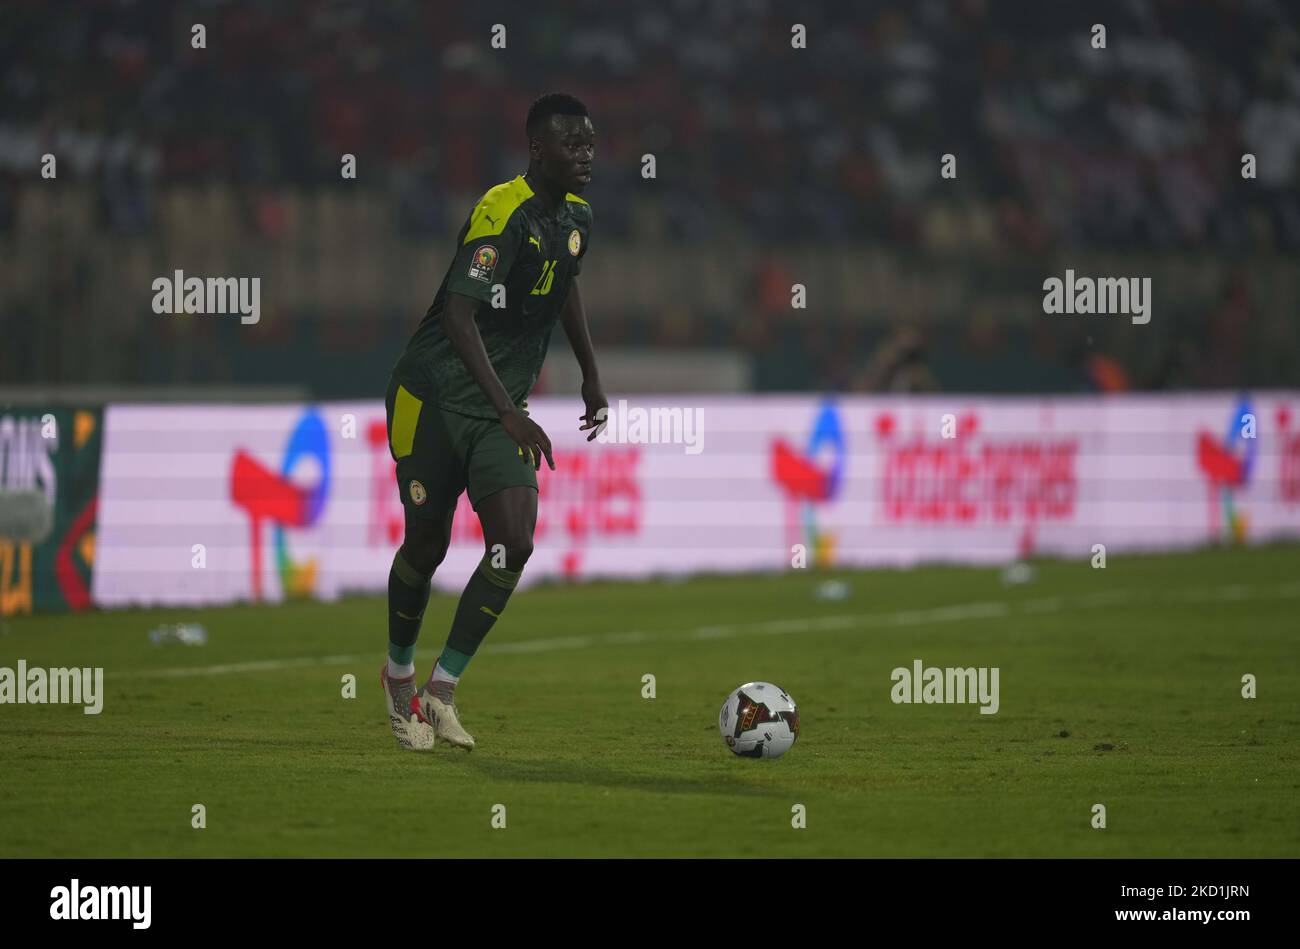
(1119,687)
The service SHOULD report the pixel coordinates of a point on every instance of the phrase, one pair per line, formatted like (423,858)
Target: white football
(759,720)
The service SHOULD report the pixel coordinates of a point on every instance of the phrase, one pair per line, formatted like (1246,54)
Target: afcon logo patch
(483,263)
(417,492)
(575,242)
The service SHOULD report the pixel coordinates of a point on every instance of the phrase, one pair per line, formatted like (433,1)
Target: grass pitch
(1119,687)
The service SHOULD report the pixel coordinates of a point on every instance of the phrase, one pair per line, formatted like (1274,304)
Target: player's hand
(593,396)
(529,436)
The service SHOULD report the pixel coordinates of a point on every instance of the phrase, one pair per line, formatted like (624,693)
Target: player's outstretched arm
(574,319)
(458,323)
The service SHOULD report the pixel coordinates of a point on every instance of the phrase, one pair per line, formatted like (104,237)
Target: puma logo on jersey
(533,240)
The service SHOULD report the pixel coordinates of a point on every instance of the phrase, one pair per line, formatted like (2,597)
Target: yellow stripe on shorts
(406,413)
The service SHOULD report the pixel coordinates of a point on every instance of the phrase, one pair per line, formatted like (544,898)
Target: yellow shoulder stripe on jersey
(495,207)
(570,196)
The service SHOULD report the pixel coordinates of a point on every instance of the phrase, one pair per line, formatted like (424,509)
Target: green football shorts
(440,453)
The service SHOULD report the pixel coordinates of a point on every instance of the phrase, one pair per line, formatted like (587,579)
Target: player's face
(565,151)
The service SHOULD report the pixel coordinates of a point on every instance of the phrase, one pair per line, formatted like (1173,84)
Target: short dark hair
(553,103)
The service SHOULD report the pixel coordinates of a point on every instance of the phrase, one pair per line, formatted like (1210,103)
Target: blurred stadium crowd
(1063,151)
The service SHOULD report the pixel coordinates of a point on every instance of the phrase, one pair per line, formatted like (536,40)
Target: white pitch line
(545,645)
(955,613)
(263,665)
(1046,604)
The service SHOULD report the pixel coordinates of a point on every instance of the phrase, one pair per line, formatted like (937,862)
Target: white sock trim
(442,675)
(398,671)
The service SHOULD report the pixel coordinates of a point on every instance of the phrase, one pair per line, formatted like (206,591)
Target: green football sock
(480,605)
(408,595)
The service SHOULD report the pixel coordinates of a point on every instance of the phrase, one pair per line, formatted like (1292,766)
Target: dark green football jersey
(512,251)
